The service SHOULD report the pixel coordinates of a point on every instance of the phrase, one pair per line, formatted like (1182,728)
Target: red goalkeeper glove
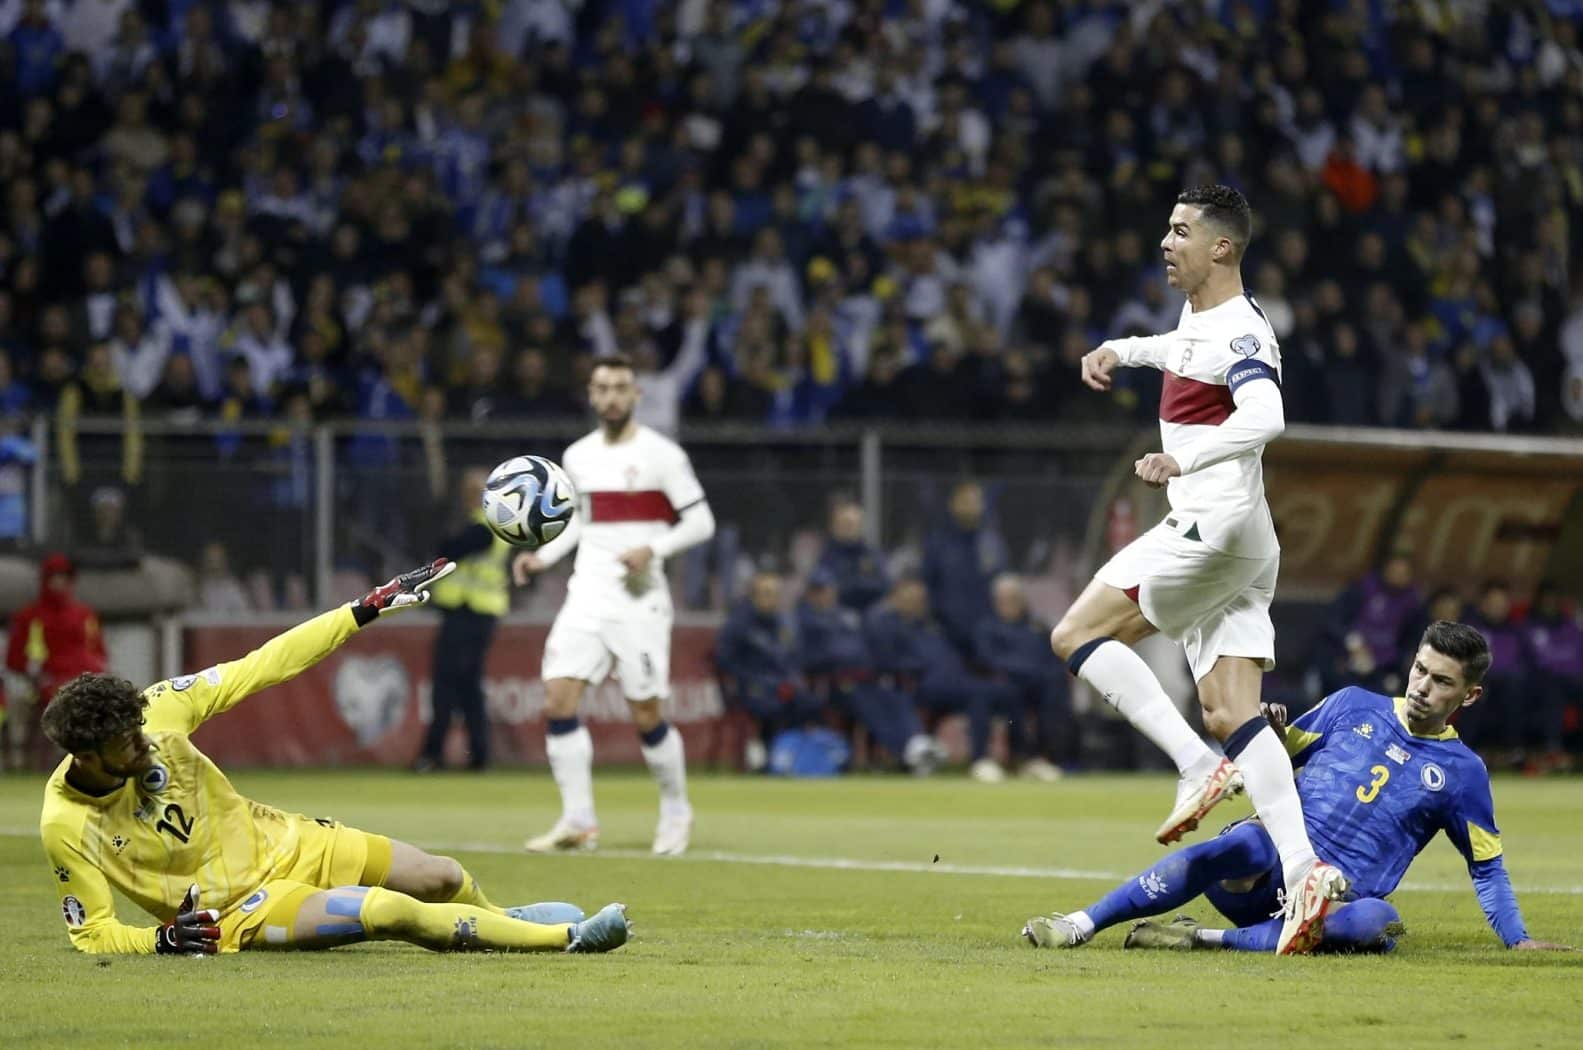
(191,932)
(404,592)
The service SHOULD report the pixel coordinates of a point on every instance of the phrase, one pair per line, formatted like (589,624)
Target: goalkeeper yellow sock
(472,893)
(390,916)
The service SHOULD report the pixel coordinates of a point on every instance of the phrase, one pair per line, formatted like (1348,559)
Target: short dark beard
(613,429)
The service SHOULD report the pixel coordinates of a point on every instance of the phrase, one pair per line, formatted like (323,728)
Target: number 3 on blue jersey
(1368,792)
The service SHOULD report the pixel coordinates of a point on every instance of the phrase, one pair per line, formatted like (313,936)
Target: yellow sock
(390,916)
(472,893)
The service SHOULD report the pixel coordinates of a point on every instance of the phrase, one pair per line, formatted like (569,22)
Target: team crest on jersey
(62,873)
(1433,776)
(1246,345)
(182,682)
(1396,754)
(157,779)
(119,843)
(73,910)
(253,903)
(1366,730)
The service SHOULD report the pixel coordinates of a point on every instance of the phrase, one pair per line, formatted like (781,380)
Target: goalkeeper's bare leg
(442,880)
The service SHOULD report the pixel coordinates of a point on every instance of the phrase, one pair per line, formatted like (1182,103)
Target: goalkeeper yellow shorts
(329,854)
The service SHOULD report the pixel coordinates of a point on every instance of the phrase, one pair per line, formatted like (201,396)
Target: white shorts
(588,644)
(1215,604)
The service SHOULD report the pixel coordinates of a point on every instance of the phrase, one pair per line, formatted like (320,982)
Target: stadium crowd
(956,634)
(788,212)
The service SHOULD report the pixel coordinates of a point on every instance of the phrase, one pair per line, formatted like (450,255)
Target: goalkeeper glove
(405,591)
(191,932)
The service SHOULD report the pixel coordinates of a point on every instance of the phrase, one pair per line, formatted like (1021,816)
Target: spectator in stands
(1500,728)
(856,566)
(111,540)
(912,653)
(1555,644)
(836,660)
(1015,648)
(219,591)
(756,653)
(1371,626)
(50,641)
(960,558)
(17,456)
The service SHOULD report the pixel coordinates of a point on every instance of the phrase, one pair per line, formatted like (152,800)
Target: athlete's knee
(1067,636)
(1366,925)
(646,715)
(1218,722)
(562,696)
(431,879)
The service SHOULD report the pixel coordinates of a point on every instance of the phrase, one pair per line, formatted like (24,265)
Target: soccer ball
(528,501)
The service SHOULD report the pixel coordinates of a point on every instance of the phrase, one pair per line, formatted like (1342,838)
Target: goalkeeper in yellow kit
(135,806)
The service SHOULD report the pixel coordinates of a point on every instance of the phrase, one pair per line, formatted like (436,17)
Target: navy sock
(562,726)
(1183,875)
(655,735)
(1243,735)
(1080,656)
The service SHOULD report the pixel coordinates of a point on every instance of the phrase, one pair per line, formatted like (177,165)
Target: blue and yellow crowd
(788,212)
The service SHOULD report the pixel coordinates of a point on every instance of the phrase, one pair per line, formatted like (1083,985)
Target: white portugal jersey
(628,494)
(1206,360)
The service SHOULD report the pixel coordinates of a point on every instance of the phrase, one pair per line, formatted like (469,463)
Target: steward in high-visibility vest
(470,602)
(482,581)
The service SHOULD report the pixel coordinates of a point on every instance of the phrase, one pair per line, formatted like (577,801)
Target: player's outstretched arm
(184,703)
(406,591)
(1471,828)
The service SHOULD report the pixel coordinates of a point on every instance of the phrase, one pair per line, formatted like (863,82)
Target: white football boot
(673,833)
(564,837)
(1195,798)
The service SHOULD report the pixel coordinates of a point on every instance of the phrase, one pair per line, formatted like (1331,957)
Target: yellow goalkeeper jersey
(182,822)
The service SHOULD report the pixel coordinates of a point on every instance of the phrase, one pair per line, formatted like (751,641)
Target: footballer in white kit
(640,503)
(1205,576)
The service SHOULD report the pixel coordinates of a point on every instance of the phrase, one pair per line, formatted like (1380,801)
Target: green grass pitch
(811,914)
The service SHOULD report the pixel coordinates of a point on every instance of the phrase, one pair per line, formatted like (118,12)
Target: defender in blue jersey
(1378,779)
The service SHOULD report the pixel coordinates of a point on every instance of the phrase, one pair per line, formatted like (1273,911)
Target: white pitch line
(783,860)
(924,867)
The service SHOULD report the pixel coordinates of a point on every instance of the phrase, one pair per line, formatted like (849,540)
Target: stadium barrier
(368,702)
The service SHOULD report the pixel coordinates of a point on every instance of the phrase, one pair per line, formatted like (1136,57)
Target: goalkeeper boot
(1195,798)
(1308,901)
(1180,934)
(605,932)
(547,913)
(1053,931)
(564,836)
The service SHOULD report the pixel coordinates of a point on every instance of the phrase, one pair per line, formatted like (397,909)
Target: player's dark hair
(615,361)
(91,710)
(1464,644)
(1224,207)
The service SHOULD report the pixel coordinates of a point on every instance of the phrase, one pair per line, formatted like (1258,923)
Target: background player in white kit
(1205,576)
(640,503)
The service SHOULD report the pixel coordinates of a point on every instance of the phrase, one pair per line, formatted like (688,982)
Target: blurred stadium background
(273,276)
